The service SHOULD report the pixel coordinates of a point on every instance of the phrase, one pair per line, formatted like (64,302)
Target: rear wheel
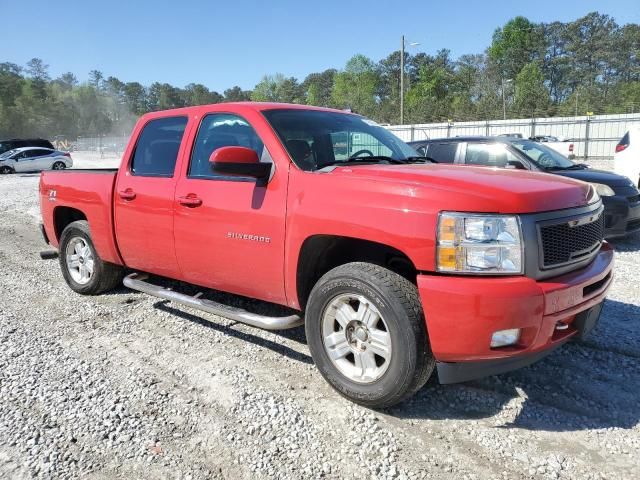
(59,166)
(366,332)
(83,270)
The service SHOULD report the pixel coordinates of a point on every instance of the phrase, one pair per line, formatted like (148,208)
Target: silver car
(34,159)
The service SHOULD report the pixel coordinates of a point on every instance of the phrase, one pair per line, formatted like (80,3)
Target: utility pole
(504,102)
(402,82)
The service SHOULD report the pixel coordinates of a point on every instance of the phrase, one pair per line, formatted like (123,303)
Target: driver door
(229,232)
(21,162)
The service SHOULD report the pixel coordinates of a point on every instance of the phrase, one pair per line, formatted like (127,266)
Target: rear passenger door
(143,197)
(40,159)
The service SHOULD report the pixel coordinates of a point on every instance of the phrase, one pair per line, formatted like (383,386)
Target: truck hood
(478,189)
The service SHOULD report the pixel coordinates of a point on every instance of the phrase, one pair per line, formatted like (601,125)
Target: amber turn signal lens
(447,258)
(447,229)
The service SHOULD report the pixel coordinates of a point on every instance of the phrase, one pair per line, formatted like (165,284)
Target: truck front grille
(571,241)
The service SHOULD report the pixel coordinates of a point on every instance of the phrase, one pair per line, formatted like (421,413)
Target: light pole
(504,101)
(412,44)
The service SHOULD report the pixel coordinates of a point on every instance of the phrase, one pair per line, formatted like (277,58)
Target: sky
(222,44)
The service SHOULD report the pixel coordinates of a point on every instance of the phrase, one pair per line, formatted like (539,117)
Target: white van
(626,160)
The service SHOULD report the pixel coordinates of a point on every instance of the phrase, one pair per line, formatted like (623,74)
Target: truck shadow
(593,384)
(295,334)
(588,385)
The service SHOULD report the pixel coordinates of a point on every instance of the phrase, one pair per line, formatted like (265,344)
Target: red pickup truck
(398,266)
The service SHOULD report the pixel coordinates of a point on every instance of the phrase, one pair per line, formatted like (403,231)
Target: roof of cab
(257,106)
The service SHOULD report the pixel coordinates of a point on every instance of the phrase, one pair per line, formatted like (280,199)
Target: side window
(222,130)
(157,148)
(489,155)
(442,152)
(39,153)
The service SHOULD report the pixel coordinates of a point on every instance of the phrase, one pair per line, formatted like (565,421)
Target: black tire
(398,302)
(106,276)
(6,170)
(59,166)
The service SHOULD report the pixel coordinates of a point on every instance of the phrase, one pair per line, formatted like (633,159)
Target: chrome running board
(136,281)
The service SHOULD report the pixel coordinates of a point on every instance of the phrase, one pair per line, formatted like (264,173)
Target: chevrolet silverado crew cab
(396,266)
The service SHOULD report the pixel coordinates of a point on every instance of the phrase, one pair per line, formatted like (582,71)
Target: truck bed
(65,193)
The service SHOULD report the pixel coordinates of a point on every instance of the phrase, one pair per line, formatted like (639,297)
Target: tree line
(529,70)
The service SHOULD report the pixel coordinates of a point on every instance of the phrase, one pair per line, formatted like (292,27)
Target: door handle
(190,201)
(127,194)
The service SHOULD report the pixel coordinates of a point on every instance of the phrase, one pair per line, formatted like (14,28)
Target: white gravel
(127,386)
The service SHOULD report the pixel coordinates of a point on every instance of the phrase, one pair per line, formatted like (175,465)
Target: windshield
(8,153)
(316,139)
(545,157)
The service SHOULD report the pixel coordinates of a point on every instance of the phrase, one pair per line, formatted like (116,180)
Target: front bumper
(462,313)
(620,216)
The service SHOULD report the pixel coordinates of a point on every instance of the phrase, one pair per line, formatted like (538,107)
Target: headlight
(479,244)
(603,190)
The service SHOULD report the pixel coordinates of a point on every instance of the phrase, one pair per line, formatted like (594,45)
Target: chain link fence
(592,136)
(103,146)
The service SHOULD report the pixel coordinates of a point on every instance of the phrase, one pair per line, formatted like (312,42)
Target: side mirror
(241,161)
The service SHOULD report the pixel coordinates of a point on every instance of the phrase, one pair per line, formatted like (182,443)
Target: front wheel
(5,170)
(83,270)
(366,333)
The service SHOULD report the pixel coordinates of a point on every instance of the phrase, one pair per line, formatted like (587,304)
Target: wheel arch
(321,253)
(63,216)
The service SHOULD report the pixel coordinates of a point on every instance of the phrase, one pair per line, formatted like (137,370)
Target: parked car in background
(12,144)
(512,135)
(33,159)
(619,194)
(565,147)
(626,160)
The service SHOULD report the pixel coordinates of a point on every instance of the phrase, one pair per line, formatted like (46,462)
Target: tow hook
(48,254)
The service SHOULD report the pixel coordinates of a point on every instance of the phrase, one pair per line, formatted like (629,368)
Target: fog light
(502,338)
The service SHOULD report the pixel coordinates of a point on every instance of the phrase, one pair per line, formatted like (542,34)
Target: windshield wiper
(420,158)
(371,159)
(379,158)
(577,166)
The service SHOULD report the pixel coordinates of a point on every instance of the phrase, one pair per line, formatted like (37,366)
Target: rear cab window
(157,147)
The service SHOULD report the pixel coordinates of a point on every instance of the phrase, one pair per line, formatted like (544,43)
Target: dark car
(12,144)
(620,197)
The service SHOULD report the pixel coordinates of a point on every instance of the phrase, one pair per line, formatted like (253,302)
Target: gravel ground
(126,386)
